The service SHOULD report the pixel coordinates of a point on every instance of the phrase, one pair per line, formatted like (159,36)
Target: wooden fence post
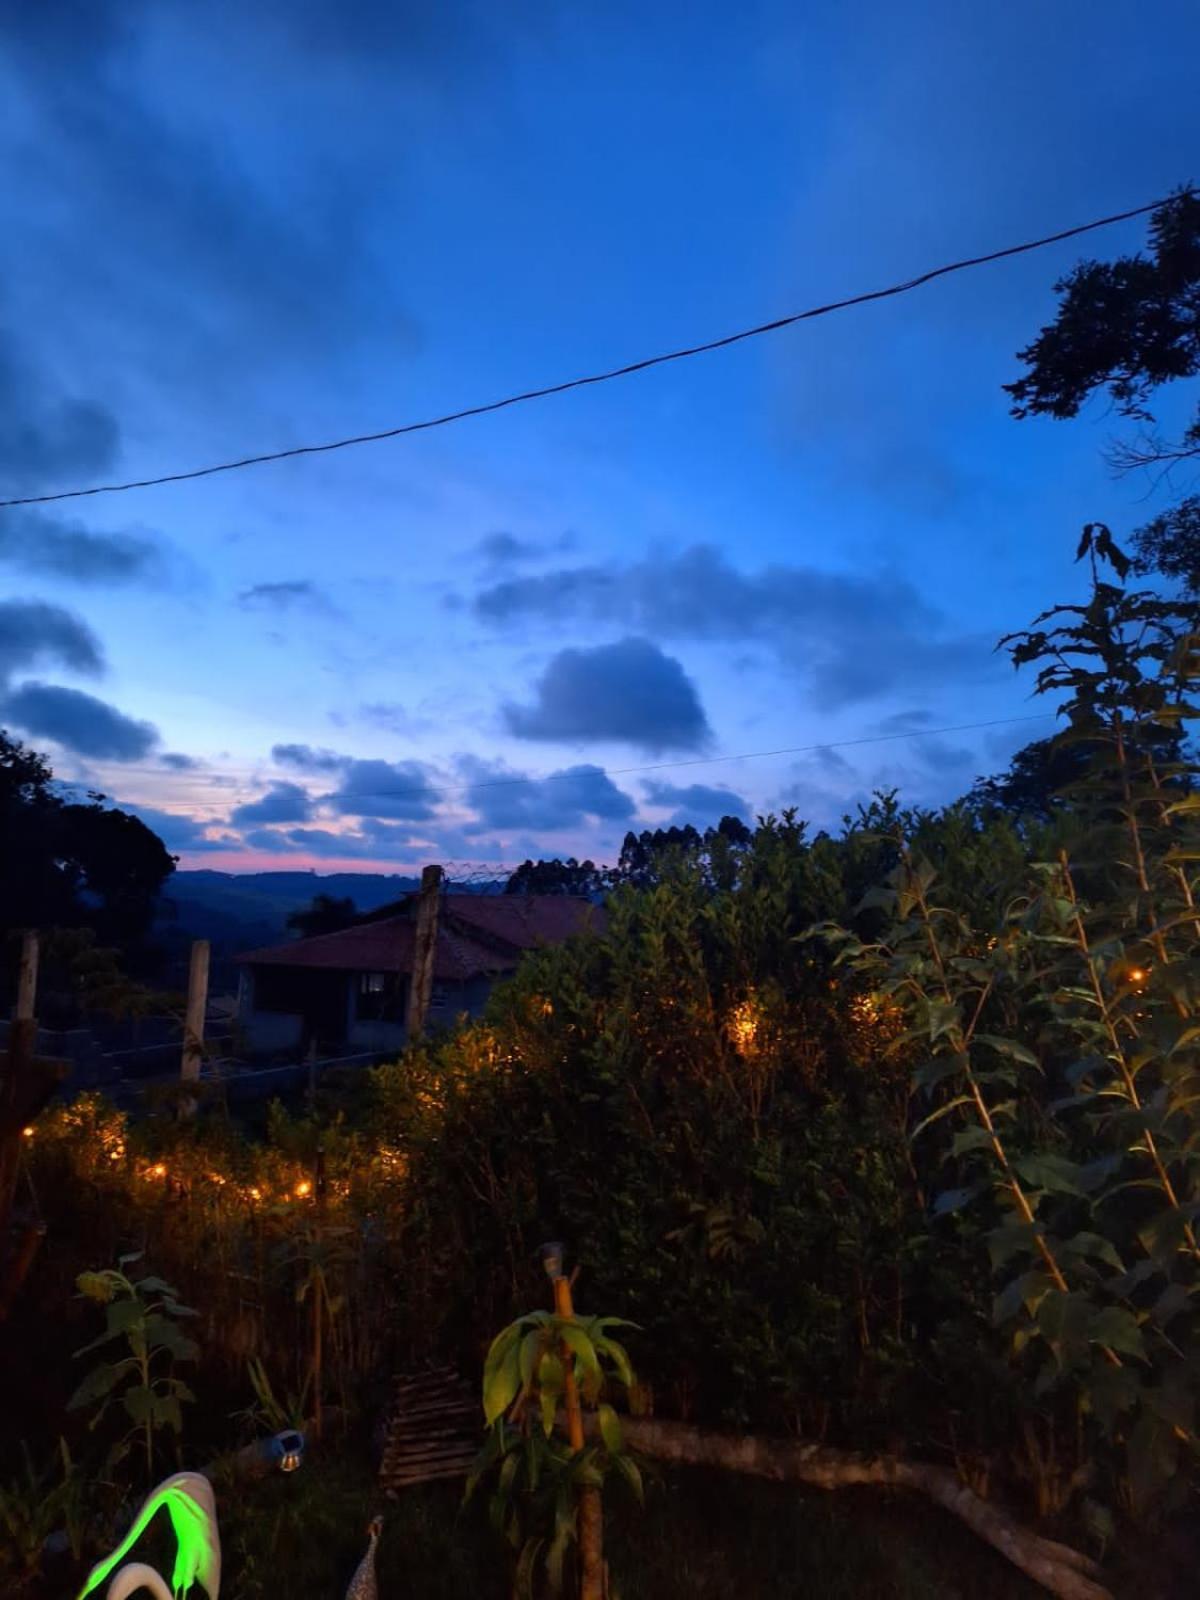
(27,981)
(197,1002)
(420,989)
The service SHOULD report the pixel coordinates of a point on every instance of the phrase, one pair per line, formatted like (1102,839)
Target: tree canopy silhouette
(1130,326)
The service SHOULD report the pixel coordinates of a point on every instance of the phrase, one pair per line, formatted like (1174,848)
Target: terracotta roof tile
(476,934)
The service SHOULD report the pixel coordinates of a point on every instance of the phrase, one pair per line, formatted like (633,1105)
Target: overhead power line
(600,377)
(432,791)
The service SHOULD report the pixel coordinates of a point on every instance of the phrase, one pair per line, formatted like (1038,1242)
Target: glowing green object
(188,1499)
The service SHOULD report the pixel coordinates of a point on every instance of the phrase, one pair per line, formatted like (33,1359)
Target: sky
(232,229)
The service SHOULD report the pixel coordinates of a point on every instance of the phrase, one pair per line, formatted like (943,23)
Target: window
(380,997)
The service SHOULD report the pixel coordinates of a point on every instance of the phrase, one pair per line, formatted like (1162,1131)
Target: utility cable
(600,377)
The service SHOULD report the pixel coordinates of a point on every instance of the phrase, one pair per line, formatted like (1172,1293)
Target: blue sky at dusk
(236,228)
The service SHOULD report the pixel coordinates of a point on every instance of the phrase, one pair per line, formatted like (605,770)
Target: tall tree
(556,877)
(1130,326)
(68,864)
(328,913)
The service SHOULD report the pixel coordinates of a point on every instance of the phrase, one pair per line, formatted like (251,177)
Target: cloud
(283,802)
(388,715)
(503,799)
(506,550)
(286,596)
(853,636)
(399,789)
(41,543)
(79,722)
(33,633)
(177,830)
(178,762)
(629,691)
(906,722)
(697,803)
(46,436)
(306,759)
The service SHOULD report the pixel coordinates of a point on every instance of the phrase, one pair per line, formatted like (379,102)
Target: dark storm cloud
(284,596)
(178,762)
(399,789)
(852,636)
(40,543)
(46,435)
(698,803)
(503,799)
(79,722)
(33,633)
(628,691)
(306,759)
(283,802)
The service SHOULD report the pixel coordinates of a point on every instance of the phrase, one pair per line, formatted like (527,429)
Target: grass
(703,1536)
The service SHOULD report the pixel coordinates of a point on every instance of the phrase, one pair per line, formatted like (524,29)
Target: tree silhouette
(1130,326)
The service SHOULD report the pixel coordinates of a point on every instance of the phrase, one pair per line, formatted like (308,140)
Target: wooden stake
(197,1002)
(420,989)
(27,982)
(591,1525)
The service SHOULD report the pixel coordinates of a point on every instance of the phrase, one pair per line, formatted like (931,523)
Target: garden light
(552,1259)
(303,1188)
(28,1132)
(288,1449)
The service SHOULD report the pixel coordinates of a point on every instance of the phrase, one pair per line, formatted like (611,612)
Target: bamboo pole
(591,1514)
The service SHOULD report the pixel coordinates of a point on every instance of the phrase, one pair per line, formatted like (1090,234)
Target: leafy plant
(143,1314)
(34,1505)
(537,1365)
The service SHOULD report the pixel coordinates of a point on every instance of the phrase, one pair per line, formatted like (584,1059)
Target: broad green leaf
(1117,1329)
(99,1382)
(629,1470)
(610,1429)
(501,1373)
(1008,1047)
(548,1402)
(942,1111)
(584,1352)
(1045,1170)
(138,1402)
(967,1139)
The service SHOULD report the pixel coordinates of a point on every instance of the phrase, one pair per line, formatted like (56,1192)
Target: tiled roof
(476,934)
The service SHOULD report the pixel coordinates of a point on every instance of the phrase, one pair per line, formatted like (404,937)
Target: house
(348,991)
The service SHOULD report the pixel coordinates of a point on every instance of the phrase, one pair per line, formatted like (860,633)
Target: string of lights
(626,371)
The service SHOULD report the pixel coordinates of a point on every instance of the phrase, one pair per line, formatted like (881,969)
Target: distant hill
(239,911)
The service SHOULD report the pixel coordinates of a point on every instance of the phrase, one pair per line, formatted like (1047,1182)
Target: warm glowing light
(28,1132)
(742,1025)
(1138,974)
(303,1187)
(256,1194)
(158,1170)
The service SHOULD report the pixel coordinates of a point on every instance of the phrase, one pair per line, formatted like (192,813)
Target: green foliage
(1057,1046)
(35,1504)
(536,1366)
(143,1314)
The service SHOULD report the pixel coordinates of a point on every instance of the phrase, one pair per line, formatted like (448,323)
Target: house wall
(268,1032)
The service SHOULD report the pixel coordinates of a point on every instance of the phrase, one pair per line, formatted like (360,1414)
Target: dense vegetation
(885,1138)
